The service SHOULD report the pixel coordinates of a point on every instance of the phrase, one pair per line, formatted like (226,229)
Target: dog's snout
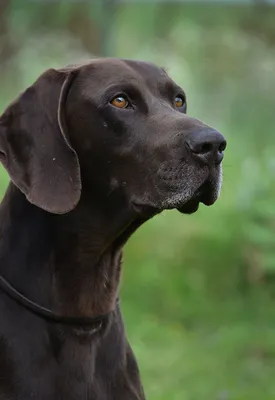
(207,146)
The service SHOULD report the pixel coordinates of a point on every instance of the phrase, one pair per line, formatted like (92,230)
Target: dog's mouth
(207,194)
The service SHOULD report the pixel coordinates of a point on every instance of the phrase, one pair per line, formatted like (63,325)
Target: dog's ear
(34,144)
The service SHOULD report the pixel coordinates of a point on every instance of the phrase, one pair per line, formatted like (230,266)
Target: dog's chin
(207,194)
(190,207)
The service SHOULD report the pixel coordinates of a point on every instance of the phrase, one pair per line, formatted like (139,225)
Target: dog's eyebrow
(170,89)
(123,86)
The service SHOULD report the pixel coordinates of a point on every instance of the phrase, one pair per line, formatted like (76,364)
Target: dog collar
(49,315)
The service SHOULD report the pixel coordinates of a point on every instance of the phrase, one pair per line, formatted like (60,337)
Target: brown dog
(93,151)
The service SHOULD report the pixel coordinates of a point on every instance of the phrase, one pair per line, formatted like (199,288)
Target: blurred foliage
(198,290)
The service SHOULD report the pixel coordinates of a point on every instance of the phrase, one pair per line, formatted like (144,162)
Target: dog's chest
(37,368)
(44,365)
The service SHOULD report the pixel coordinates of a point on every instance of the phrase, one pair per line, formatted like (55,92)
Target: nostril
(200,148)
(222,146)
(206,148)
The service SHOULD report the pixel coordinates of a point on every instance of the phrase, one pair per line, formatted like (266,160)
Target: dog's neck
(70,263)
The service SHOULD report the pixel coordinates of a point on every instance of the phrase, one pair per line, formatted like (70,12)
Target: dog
(92,151)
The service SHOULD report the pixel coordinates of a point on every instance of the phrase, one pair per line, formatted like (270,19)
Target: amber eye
(120,102)
(179,101)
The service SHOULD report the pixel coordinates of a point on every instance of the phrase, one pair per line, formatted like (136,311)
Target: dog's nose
(207,146)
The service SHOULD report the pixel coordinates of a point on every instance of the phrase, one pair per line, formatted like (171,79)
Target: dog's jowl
(92,151)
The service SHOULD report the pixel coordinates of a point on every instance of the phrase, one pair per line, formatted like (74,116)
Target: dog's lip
(205,194)
(192,205)
(189,207)
(208,195)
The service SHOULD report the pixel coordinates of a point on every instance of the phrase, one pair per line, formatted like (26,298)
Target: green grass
(197,291)
(192,339)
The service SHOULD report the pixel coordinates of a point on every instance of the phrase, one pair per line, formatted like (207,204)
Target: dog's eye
(179,101)
(120,102)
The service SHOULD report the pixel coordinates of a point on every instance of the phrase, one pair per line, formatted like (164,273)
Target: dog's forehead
(103,72)
(146,69)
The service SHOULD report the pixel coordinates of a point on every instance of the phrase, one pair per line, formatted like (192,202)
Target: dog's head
(110,125)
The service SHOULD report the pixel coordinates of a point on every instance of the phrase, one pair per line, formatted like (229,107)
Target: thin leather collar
(47,314)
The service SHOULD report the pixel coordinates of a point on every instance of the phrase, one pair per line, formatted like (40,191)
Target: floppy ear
(34,146)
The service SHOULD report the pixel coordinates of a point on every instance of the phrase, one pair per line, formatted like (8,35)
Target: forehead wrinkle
(149,72)
(95,84)
(157,80)
(96,91)
(102,73)
(114,71)
(143,66)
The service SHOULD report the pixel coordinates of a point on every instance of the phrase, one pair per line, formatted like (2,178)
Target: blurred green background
(198,291)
